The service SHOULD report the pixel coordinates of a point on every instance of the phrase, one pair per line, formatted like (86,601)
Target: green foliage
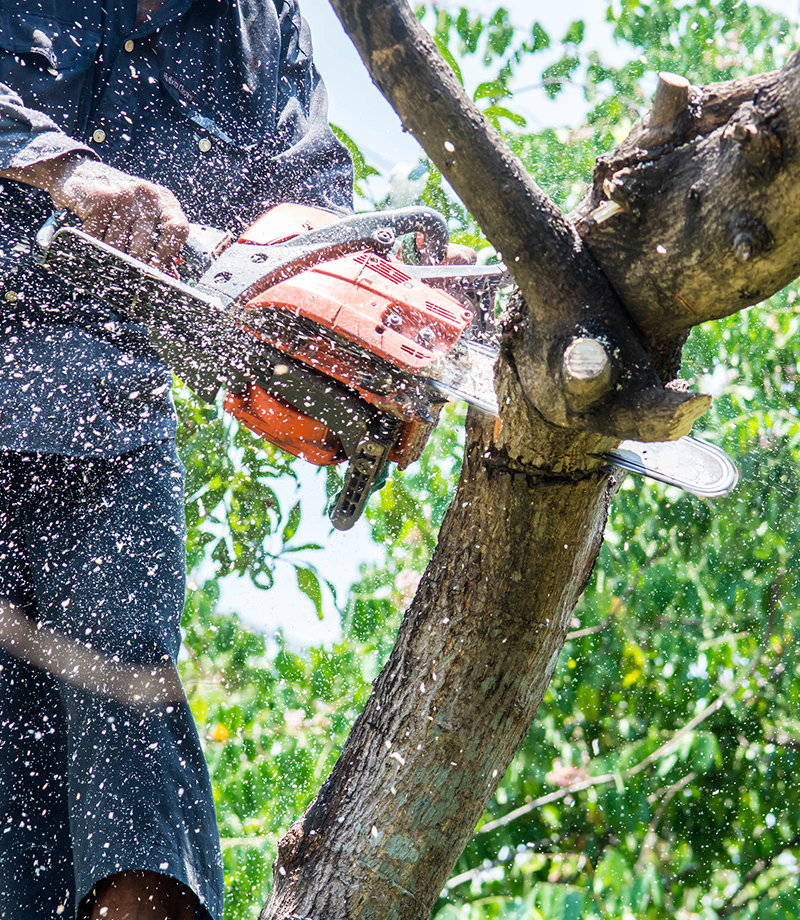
(362,171)
(660,777)
(233,514)
(272,723)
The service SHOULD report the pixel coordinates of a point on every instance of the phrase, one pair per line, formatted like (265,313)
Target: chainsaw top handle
(245,269)
(377,231)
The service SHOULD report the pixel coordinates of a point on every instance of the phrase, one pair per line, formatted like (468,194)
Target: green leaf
(308,583)
(469,31)
(492,89)
(447,54)
(575,33)
(541,39)
(500,35)
(553,76)
(362,168)
(613,872)
(292,523)
(495,112)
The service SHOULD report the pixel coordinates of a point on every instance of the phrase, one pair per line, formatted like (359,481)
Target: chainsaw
(328,346)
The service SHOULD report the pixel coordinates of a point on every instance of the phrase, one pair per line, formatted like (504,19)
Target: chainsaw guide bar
(327,349)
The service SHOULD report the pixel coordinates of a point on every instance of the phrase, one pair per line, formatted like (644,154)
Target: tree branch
(727,171)
(730,905)
(566,294)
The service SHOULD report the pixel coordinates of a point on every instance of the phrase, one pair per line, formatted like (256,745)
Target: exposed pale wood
(670,104)
(586,368)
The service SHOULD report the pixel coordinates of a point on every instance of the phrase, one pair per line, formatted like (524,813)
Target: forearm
(48,175)
(30,141)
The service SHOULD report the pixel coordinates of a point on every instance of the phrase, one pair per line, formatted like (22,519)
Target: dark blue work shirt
(219,101)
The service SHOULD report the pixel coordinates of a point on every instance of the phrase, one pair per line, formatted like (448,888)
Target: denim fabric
(219,101)
(100,761)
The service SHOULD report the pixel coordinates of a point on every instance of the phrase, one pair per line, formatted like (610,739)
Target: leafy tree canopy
(660,777)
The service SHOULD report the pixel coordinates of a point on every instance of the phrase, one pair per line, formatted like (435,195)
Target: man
(134,116)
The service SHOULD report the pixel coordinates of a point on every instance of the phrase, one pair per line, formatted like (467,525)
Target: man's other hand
(137,217)
(457,254)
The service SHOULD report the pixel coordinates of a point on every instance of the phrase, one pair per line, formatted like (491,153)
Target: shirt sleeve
(309,164)
(28,136)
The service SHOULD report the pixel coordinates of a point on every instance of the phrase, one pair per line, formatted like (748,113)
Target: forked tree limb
(473,658)
(479,643)
(708,213)
(566,294)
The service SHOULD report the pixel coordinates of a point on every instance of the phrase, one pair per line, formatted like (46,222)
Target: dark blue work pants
(100,763)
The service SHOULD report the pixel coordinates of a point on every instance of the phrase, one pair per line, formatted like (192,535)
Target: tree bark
(473,658)
(727,172)
(478,645)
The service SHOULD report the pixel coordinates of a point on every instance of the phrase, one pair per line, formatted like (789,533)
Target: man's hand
(457,254)
(135,216)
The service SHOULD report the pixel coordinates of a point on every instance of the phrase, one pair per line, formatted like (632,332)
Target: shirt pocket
(211,118)
(48,62)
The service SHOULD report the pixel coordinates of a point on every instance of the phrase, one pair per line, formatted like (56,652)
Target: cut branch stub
(670,103)
(566,295)
(586,369)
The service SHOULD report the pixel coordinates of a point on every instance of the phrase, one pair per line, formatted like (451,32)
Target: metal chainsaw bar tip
(467,373)
(689,463)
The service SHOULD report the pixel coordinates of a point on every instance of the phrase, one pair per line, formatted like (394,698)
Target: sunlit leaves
(554,76)
(272,722)
(308,583)
(362,171)
(691,602)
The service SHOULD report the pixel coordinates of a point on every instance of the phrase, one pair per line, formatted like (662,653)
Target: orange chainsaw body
(364,299)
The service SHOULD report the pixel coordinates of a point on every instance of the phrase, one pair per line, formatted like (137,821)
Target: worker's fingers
(143,223)
(138,217)
(96,223)
(173,233)
(119,229)
(459,255)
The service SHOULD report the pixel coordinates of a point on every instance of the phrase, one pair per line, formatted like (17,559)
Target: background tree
(598,812)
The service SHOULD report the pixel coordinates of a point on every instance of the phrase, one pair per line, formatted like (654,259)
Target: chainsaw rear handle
(378,230)
(202,246)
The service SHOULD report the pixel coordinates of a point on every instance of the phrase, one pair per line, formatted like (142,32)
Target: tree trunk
(479,643)
(473,658)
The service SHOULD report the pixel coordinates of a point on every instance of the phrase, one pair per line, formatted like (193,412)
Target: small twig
(608,778)
(471,874)
(730,906)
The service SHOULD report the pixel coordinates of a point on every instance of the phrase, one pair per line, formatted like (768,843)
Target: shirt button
(204,145)
(99,136)
(129,46)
